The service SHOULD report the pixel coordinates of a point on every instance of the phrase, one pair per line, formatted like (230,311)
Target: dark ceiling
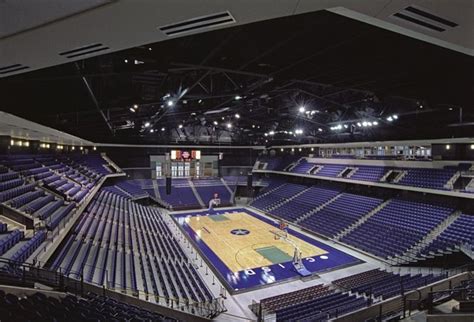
(342,71)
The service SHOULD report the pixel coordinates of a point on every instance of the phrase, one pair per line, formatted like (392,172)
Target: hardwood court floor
(251,245)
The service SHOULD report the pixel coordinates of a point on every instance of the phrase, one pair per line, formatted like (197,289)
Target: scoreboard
(185,155)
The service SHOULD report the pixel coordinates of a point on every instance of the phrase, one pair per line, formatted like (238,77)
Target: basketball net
(214,203)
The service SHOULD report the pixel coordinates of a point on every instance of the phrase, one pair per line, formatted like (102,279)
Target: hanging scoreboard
(185,155)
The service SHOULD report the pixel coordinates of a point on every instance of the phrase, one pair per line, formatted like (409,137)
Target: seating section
(181,196)
(316,303)
(129,247)
(15,247)
(369,173)
(9,239)
(302,167)
(27,249)
(331,170)
(301,205)
(278,196)
(276,163)
(458,233)
(396,227)
(383,284)
(340,214)
(31,183)
(134,191)
(40,307)
(206,189)
(429,178)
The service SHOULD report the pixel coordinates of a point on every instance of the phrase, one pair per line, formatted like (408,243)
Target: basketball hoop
(216,201)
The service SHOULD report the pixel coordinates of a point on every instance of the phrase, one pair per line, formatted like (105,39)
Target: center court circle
(240,232)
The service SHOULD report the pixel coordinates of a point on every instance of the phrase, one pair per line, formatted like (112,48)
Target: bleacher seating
(316,303)
(206,189)
(384,284)
(430,178)
(396,227)
(129,247)
(304,203)
(427,178)
(92,307)
(181,196)
(456,234)
(340,214)
(369,173)
(133,190)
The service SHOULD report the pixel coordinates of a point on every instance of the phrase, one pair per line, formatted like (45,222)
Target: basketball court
(249,250)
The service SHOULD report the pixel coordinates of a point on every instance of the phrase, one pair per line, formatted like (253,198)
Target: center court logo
(240,232)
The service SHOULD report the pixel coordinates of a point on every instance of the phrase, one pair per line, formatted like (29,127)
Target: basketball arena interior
(269,160)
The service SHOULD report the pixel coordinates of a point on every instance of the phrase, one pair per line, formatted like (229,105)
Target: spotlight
(237,115)
(472,146)
(448,147)
(152,130)
(390,119)
(229,125)
(170,103)
(162,129)
(237,97)
(271,132)
(180,126)
(215,123)
(126,61)
(369,123)
(135,106)
(375,123)
(320,129)
(73,148)
(359,124)
(346,126)
(147,124)
(281,149)
(395,117)
(132,110)
(12,142)
(299,149)
(298,131)
(81,148)
(450,108)
(364,124)
(292,149)
(301,109)
(94,148)
(266,134)
(253,126)
(149,48)
(200,101)
(312,149)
